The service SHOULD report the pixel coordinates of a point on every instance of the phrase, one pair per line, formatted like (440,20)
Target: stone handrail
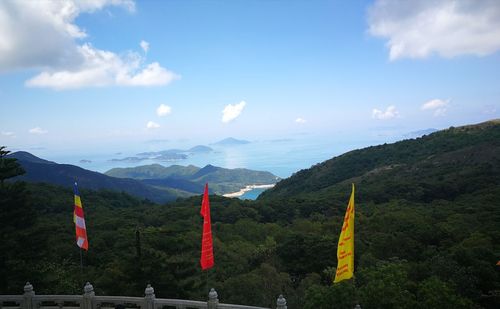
(89,300)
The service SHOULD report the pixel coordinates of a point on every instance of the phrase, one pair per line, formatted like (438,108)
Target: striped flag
(81,231)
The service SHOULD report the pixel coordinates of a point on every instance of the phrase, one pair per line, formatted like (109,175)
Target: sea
(282,157)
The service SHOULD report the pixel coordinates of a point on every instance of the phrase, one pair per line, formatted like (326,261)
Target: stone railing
(29,300)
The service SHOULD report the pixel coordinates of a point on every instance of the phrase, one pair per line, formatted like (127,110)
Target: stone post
(149,297)
(357,306)
(281,302)
(88,296)
(28,296)
(213,300)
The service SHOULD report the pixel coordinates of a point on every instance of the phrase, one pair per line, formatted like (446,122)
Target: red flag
(207,250)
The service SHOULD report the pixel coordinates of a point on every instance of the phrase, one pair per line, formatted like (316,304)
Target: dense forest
(427,233)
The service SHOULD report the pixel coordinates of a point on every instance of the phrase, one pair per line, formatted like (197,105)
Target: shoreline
(248,188)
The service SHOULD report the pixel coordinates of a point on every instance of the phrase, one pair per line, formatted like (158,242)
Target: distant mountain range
(231,141)
(153,182)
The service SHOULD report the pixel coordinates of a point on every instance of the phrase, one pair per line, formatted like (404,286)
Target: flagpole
(206,281)
(81,265)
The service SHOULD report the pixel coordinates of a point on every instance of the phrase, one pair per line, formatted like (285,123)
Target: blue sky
(73,75)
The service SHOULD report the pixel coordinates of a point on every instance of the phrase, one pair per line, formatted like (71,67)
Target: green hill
(191,178)
(441,165)
(153,171)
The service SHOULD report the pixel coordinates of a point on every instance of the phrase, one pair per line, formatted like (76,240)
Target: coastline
(248,188)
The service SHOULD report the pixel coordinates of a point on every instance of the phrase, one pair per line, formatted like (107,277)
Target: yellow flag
(345,248)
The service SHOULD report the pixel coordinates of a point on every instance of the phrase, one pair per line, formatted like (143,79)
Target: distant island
(168,155)
(194,150)
(231,141)
(128,159)
(85,161)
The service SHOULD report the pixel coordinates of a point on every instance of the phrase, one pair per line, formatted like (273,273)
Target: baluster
(281,302)
(28,296)
(149,296)
(88,296)
(213,300)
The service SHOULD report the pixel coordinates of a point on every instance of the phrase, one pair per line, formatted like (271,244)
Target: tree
(8,166)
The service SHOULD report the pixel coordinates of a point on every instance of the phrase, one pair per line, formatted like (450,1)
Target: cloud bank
(420,28)
(8,134)
(389,113)
(43,35)
(163,110)
(439,107)
(144,46)
(38,131)
(152,125)
(231,112)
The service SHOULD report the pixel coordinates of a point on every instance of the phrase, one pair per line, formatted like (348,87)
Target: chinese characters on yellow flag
(345,248)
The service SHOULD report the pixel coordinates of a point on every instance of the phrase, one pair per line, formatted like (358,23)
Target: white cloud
(37,130)
(231,112)
(163,110)
(419,28)
(389,113)
(152,125)
(300,120)
(489,109)
(438,106)
(144,46)
(8,134)
(63,60)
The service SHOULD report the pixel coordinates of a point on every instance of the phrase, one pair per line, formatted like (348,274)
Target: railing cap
(212,294)
(149,291)
(281,301)
(88,288)
(28,288)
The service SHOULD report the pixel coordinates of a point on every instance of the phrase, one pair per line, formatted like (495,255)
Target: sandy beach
(246,189)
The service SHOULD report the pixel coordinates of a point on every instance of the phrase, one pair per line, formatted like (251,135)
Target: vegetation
(427,233)
(154,182)
(192,179)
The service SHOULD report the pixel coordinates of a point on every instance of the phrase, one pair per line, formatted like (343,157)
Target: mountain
(39,170)
(28,157)
(231,141)
(199,149)
(411,169)
(153,171)
(154,182)
(221,180)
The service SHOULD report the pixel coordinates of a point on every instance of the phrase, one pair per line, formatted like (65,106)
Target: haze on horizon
(119,74)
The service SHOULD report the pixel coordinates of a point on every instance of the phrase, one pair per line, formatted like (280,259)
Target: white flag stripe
(80,222)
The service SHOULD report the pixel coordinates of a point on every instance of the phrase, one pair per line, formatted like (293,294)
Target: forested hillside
(427,233)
